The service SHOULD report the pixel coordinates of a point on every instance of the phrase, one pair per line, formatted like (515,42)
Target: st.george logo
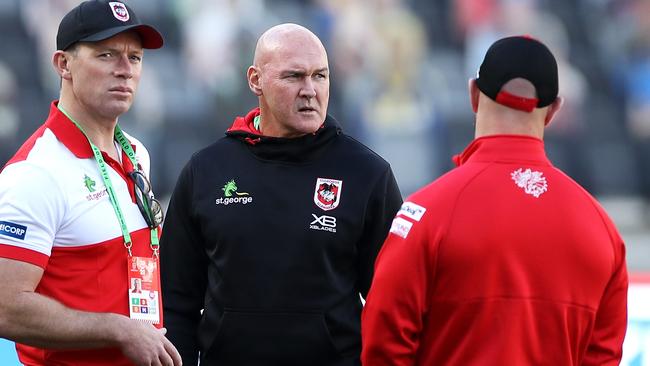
(230,188)
(230,195)
(89,183)
(327,193)
(93,195)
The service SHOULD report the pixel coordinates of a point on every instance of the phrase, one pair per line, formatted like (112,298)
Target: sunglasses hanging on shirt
(149,206)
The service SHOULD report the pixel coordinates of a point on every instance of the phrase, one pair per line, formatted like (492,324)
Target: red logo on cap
(119,11)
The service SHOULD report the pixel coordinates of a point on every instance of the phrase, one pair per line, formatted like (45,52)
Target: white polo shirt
(55,213)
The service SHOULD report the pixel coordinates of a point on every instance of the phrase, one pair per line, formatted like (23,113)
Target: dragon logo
(119,11)
(533,183)
(230,188)
(231,196)
(327,193)
(89,183)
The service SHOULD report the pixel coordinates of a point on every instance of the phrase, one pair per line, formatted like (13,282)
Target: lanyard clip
(128,245)
(155,247)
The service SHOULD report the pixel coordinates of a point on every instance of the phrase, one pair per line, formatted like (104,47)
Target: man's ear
(61,63)
(474,94)
(254,80)
(553,109)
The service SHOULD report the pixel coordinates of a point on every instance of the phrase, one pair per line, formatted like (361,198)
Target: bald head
(290,76)
(283,36)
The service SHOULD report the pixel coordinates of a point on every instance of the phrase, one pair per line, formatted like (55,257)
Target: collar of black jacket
(302,149)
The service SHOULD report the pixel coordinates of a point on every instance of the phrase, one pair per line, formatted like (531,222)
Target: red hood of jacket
(245,124)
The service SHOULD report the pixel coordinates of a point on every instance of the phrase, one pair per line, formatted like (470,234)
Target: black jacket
(275,254)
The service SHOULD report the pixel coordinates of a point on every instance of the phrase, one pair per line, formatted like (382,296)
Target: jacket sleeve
(606,344)
(183,270)
(384,202)
(394,315)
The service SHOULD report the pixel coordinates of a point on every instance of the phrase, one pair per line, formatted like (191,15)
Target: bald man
(504,260)
(272,231)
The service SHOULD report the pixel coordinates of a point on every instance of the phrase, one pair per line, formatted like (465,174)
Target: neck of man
(269,126)
(100,130)
(499,126)
(495,119)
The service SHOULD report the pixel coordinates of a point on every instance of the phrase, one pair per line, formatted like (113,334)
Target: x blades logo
(323,223)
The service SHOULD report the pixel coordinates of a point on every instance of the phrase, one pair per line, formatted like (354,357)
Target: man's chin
(118,108)
(112,114)
(311,125)
(311,118)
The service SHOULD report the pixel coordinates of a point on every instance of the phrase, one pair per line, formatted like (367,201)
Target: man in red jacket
(504,260)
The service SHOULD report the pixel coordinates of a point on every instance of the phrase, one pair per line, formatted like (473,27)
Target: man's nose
(124,67)
(308,90)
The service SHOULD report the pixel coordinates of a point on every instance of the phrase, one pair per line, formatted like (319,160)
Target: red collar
(245,124)
(73,139)
(66,132)
(503,148)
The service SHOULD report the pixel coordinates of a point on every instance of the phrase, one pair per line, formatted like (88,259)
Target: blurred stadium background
(399,79)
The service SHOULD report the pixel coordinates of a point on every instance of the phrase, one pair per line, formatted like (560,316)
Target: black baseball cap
(519,57)
(96,20)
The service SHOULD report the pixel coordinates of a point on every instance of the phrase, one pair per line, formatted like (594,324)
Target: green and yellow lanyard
(128,149)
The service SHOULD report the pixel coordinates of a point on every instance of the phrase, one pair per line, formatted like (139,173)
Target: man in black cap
(504,260)
(78,220)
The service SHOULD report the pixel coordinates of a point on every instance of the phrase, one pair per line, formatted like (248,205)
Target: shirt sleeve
(32,206)
(384,203)
(393,317)
(183,270)
(606,344)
